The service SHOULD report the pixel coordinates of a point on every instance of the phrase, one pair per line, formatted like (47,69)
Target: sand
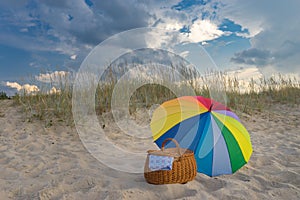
(51,163)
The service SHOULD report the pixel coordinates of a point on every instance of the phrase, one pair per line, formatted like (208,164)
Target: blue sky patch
(185,29)
(185,4)
(229,25)
(89,3)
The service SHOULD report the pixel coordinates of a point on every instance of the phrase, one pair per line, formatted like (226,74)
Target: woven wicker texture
(184,167)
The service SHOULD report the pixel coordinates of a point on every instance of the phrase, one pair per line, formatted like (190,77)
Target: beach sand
(51,163)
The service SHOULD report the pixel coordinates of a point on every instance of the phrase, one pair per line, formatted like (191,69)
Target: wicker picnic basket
(184,166)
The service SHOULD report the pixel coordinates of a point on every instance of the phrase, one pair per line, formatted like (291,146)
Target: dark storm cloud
(253,56)
(285,57)
(274,32)
(106,18)
(57,25)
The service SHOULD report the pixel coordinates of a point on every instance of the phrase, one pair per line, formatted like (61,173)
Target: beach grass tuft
(258,95)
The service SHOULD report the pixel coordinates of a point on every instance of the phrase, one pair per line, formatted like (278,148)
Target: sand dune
(52,163)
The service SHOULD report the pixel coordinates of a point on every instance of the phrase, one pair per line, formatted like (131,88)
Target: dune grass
(3,95)
(57,107)
(48,106)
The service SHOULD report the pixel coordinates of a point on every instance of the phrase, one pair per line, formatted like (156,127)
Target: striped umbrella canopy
(220,142)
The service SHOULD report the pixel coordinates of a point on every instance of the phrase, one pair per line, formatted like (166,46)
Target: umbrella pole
(210,107)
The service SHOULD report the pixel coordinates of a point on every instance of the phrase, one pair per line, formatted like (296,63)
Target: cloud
(74,27)
(54,77)
(86,24)
(67,27)
(245,78)
(27,88)
(53,90)
(273,32)
(245,13)
(14,85)
(204,30)
(204,43)
(253,56)
(30,89)
(196,19)
(73,57)
(197,23)
(14,3)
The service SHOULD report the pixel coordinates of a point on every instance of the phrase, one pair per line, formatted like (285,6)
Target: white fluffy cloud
(54,77)
(245,78)
(204,30)
(14,85)
(27,88)
(197,21)
(73,57)
(53,90)
(30,89)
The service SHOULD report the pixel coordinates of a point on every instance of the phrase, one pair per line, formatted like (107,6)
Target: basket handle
(173,140)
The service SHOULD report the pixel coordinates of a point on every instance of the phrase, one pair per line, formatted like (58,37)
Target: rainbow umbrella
(220,142)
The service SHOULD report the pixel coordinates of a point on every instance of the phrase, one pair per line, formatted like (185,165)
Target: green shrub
(3,95)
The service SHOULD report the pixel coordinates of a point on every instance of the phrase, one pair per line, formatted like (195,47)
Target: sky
(41,38)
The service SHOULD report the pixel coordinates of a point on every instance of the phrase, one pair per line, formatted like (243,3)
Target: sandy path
(51,163)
